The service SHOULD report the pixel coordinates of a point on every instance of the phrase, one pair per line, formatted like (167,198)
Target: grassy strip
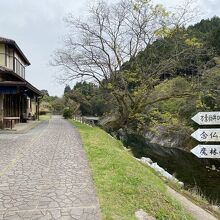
(45,117)
(123,184)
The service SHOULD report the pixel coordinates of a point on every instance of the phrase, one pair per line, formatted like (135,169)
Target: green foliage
(67,89)
(177,51)
(209,32)
(208,101)
(173,87)
(187,109)
(49,99)
(45,107)
(194,42)
(45,117)
(58,105)
(158,116)
(67,113)
(210,89)
(89,99)
(44,92)
(162,85)
(166,84)
(50,104)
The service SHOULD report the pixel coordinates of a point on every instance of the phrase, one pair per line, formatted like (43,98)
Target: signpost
(206,151)
(207,118)
(207,135)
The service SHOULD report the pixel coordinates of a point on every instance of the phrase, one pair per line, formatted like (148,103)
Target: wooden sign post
(207,135)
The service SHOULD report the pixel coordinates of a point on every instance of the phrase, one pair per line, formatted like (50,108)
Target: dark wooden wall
(14,105)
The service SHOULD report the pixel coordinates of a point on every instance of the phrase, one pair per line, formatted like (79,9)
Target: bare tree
(109,35)
(99,44)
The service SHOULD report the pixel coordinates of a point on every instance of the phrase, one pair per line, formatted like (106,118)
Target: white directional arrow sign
(207,135)
(207,118)
(207,151)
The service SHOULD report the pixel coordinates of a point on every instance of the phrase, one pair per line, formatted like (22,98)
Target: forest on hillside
(158,89)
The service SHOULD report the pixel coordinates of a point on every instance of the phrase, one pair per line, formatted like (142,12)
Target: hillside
(156,93)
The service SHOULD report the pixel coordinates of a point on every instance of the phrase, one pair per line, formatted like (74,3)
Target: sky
(38,28)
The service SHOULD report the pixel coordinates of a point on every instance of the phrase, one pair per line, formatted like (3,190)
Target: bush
(67,113)
(44,112)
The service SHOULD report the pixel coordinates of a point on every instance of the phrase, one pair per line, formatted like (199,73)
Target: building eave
(14,44)
(18,80)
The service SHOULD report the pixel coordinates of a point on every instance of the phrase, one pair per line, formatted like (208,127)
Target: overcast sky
(37,26)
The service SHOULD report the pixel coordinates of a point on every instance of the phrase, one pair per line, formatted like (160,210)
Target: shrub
(67,113)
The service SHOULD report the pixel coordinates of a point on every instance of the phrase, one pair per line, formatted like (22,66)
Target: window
(19,68)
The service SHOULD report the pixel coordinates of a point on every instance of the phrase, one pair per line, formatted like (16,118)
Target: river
(184,165)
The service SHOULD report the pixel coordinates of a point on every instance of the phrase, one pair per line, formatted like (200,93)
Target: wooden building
(19,100)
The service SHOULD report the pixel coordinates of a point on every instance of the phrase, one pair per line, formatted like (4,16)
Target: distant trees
(44,92)
(49,104)
(67,89)
(45,105)
(58,105)
(87,99)
(209,32)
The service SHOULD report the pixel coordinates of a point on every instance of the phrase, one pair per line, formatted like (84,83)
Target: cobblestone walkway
(44,175)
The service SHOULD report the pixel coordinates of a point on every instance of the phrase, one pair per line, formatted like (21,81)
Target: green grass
(123,184)
(45,117)
(197,197)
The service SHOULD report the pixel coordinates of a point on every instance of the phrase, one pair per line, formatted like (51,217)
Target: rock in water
(146,160)
(141,215)
(213,167)
(181,184)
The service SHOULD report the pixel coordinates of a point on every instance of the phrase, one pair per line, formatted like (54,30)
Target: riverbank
(196,211)
(202,175)
(188,198)
(123,184)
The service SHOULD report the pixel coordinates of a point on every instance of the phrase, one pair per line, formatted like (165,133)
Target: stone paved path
(44,175)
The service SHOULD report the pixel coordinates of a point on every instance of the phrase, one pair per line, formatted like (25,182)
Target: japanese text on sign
(213,151)
(207,118)
(206,135)
(207,151)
